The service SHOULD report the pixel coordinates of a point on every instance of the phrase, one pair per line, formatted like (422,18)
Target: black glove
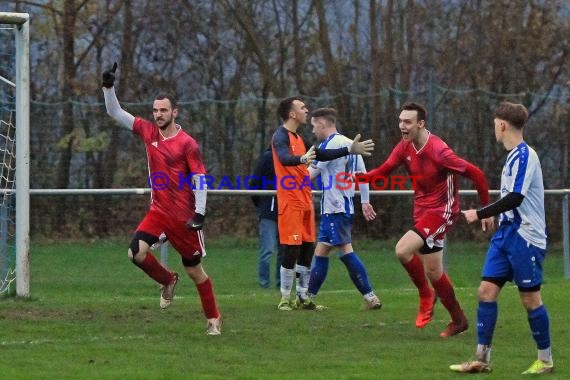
(196,223)
(108,77)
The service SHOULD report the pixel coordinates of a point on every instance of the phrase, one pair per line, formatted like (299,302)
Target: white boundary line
(78,340)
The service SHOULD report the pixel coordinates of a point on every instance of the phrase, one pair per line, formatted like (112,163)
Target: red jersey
(173,160)
(433,166)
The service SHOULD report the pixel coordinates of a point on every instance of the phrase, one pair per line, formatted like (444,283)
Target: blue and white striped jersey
(522,174)
(338,192)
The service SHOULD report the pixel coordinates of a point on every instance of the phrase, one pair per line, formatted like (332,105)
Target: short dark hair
(170,97)
(420,109)
(514,113)
(286,105)
(328,113)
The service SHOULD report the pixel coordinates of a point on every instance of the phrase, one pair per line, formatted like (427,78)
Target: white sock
(483,353)
(369,296)
(287,276)
(545,355)
(303,280)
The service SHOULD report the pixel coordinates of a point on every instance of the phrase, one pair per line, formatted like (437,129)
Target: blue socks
(357,272)
(540,327)
(537,319)
(355,268)
(318,274)
(487,313)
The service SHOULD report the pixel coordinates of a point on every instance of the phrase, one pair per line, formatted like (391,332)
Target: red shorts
(188,243)
(296,225)
(432,226)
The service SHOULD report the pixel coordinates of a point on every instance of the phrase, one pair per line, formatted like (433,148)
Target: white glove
(310,156)
(363,148)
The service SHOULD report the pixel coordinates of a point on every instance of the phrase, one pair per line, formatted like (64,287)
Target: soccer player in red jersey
(178,204)
(436,207)
(296,214)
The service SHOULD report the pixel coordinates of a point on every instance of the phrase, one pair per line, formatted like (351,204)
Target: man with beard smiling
(436,207)
(176,210)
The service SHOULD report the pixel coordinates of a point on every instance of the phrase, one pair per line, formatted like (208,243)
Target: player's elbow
(111,111)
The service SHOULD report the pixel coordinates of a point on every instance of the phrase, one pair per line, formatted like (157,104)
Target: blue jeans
(268,243)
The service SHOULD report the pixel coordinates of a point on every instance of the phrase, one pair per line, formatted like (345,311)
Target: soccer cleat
(214,326)
(425,312)
(475,366)
(455,328)
(167,292)
(373,304)
(285,305)
(309,304)
(539,367)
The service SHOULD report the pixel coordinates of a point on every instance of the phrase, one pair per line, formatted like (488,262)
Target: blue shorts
(335,229)
(512,258)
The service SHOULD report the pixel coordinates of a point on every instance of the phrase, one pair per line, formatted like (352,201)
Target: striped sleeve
(519,168)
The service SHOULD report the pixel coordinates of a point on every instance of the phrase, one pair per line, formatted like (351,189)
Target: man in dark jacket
(266,207)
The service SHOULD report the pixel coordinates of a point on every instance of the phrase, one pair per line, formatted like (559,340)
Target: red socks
(443,288)
(415,269)
(446,295)
(155,270)
(163,276)
(206,292)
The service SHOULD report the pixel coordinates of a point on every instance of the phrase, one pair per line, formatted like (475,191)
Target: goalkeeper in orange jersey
(296,219)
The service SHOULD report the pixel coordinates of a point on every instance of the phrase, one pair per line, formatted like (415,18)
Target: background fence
(364,58)
(104,155)
(115,213)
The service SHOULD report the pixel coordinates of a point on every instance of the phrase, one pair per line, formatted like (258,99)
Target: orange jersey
(293,181)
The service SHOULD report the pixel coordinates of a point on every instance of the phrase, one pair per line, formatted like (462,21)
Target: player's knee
(289,259)
(140,245)
(134,249)
(196,272)
(130,254)
(433,272)
(402,253)
(483,294)
(489,289)
(306,255)
(135,253)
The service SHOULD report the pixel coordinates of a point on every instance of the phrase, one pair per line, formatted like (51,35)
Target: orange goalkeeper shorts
(296,225)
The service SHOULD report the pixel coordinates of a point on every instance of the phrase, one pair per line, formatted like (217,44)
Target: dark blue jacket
(264,179)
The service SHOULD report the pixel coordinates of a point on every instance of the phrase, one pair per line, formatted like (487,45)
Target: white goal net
(7,200)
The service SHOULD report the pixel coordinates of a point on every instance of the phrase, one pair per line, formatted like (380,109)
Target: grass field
(93,315)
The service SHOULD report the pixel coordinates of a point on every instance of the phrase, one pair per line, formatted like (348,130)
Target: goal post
(19,22)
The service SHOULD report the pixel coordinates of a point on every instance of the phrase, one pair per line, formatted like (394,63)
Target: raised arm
(356,147)
(280,144)
(112,103)
(387,167)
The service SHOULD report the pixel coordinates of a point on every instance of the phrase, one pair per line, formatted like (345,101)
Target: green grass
(93,315)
